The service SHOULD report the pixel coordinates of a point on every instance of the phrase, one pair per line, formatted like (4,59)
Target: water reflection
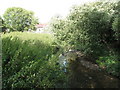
(63,62)
(64,59)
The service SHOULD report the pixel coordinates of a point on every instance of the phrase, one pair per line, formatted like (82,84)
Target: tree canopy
(2,25)
(90,28)
(19,19)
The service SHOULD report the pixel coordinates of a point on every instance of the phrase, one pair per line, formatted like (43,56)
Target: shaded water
(66,58)
(85,74)
(63,62)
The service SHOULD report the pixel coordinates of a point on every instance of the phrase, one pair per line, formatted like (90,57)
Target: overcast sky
(44,9)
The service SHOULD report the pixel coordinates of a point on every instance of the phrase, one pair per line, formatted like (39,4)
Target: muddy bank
(84,74)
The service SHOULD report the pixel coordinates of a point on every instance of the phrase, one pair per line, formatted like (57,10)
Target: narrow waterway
(85,74)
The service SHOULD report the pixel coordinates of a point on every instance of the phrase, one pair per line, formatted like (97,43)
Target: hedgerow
(29,60)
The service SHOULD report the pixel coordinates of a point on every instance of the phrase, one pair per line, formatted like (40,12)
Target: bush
(93,29)
(88,28)
(116,21)
(29,60)
(2,25)
(111,64)
(40,74)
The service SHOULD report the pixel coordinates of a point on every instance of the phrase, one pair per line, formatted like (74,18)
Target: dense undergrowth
(29,60)
(93,29)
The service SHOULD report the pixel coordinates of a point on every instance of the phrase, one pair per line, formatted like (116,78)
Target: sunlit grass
(44,37)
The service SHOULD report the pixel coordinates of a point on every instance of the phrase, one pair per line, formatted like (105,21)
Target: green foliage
(57,26)
(111,63)
(116,22)
(116,25)
(29,61)
(61,29)
(93,29)
(19,19)
(2,25)
(39,74)
(88,28)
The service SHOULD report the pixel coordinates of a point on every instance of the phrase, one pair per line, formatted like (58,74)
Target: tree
(94,29)
(2,25)
(116,27)
(19,19)
(89,28)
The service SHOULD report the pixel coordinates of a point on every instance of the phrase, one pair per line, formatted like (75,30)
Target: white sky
(43,9)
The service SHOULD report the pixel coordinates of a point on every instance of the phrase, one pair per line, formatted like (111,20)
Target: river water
(63,62)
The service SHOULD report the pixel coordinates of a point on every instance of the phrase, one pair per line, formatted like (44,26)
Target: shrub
(111,64)
(29,60)
(88,28)
(40,74)
(93,29)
